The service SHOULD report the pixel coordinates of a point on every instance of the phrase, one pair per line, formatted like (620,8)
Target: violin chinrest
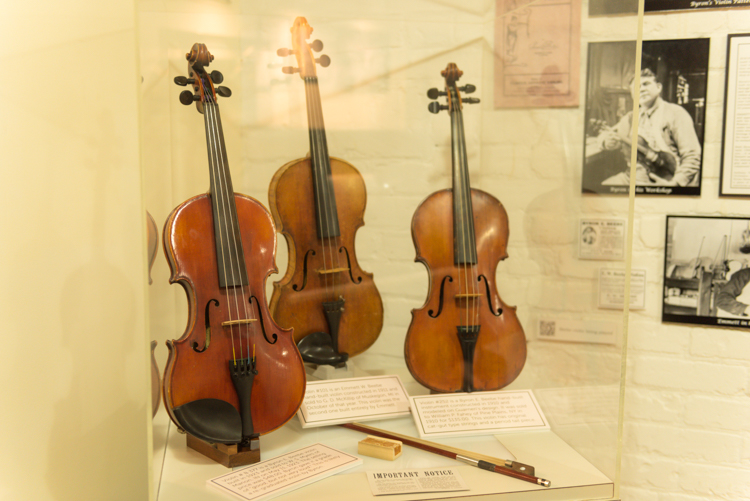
(211,420)
(317,348)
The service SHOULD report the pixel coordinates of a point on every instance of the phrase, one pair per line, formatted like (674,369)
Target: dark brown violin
(318,204)
(234,374)
(464,338)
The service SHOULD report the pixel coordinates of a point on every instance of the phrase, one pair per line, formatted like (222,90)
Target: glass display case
(525,146)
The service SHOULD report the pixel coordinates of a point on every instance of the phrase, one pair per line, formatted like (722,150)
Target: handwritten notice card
(357,399)
(277,476)
(412,481)
(480,413)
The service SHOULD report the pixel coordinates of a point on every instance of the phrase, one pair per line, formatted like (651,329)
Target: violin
(234,374)
(318,203)
(464,338)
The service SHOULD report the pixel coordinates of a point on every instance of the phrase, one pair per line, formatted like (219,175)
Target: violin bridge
(238,322)
(467,296)
(332,270)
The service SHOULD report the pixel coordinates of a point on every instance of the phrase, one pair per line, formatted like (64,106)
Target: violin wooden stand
(228,455)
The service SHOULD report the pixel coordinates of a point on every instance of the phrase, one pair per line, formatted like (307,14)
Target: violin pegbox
(306,61)
(202,82)
(452,74)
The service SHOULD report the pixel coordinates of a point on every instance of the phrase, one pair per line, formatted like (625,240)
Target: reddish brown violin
(464,338)
(318,204)
(234,374)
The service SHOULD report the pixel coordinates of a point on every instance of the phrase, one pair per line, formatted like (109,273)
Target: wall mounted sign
(735,146)
(537,53)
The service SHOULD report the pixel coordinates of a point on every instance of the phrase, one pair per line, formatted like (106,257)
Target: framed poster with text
(735,145)
(537,53)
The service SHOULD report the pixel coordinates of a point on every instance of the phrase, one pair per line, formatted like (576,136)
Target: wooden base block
(228,455)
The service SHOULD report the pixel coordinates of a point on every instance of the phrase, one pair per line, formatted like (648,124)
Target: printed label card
(478,413)
(285,473)
(340,401)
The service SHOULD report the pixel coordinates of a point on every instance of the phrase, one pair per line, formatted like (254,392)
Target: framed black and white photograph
(667,5)
(707,270)
(671,121)
(735,146)
(612,7)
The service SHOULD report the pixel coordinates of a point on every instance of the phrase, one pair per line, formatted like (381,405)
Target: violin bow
(504,467)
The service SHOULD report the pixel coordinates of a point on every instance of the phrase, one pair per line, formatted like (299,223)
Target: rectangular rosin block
(381,448)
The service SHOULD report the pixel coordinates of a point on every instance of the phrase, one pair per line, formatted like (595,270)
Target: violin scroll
(306,61)
(453,93)
(201,81)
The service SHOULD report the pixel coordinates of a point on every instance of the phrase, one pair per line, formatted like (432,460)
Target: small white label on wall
(580,331)
(602,239)
(612,289)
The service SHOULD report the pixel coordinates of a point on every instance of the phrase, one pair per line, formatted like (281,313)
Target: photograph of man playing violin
(671,98)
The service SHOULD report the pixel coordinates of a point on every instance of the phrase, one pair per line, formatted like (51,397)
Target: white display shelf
(184,472)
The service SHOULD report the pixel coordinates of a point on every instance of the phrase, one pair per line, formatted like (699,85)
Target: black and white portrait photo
(671,98)
(707,271)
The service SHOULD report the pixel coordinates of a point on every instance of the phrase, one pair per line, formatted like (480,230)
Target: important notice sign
(480,413)
(446,479)
(357,399)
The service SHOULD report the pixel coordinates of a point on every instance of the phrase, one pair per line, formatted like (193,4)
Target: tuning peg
(289,70)
(316,45)
(434,93)
(470,100)
(183,81)
(323,60)
(187,97)
(217,77)
(284,52)
(467,89)
(435,107)
(223,91)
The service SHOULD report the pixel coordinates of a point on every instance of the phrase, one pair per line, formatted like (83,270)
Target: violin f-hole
(296,287)
(208,327)
(489,299)
(358,280)
(262,324)
(442,293)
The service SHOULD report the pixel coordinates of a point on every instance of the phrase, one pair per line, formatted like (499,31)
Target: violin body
(464,338)
(433,352)
(318,203)
(191,375)
(297,297)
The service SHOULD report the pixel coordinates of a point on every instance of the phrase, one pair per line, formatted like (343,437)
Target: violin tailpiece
(243,373)
(467,336)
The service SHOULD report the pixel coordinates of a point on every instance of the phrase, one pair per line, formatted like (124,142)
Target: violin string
(470,226)
(328,193)
(232,222)
(460,192)
(315,164)
(213,155)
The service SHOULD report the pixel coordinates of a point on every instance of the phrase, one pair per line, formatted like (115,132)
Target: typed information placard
(479,413)
(356,399)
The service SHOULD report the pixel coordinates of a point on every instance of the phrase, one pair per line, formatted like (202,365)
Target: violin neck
(464,241)
(326,215)
(229,254)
